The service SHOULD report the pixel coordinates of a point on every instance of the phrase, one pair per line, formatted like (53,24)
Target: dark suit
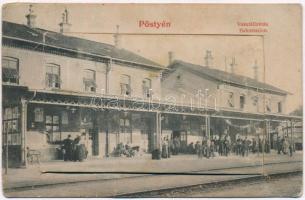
(67,145)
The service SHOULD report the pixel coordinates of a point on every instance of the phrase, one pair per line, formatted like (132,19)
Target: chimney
(255,70)
(208,58)
(31,17)
(232,65)
(117,37)
(64,25)
(170,57)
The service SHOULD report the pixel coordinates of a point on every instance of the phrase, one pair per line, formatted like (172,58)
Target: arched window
(10,70)
(53,76)
(125,85)
(146,85)
(89,80)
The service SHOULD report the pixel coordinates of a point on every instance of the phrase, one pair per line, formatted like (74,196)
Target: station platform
(34,176)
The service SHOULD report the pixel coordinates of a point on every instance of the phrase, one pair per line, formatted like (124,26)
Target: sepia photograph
(152,100)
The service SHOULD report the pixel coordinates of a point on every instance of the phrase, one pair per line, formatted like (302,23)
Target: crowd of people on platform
(74,150)
(284,146)
(170,147)
(224,146)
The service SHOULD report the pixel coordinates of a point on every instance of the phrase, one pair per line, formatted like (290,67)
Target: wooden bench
(33,156)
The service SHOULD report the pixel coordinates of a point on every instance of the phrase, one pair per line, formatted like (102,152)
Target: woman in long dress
(82,147)
(79,149)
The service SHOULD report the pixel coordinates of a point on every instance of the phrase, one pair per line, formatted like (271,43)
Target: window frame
(146,90)
(255,102)
(53,65)
(268,105)
(51,132)
(231,100)
(127,86)
(11,119)
(64,117)
(8,58)
(89,82)
(38,114)
(279,107)
(242,101)
(125,128)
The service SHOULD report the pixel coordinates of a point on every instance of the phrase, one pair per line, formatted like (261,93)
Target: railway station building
(55,85)
(239,106)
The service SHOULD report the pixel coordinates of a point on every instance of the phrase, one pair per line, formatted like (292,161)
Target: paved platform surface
(33,175)
(130,186)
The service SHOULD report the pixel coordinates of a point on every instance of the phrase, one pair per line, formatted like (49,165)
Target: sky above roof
(278,53)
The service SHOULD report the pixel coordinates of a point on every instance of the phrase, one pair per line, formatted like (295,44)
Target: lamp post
(23,131)
(158,130)
(107,131)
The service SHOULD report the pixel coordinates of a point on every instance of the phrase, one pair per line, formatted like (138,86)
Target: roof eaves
(182,63)
(83,52)
(154,66)
(253,87)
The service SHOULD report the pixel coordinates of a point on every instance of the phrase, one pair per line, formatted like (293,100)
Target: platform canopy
(110,102)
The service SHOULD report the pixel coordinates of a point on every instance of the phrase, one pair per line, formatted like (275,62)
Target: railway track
(171,191)
(140,175)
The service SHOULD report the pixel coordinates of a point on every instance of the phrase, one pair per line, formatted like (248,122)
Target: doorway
(11,137)
(182,136)
(94,136)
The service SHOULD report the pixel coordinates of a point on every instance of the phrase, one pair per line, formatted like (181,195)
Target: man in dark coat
(253,145)
(221,146)
(243,147)
(67,146)
(76,149)
(225,146)
(260,145)
(177,145)
(238,146)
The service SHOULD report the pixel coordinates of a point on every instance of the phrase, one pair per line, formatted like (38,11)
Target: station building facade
(254,106)
(55,85)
